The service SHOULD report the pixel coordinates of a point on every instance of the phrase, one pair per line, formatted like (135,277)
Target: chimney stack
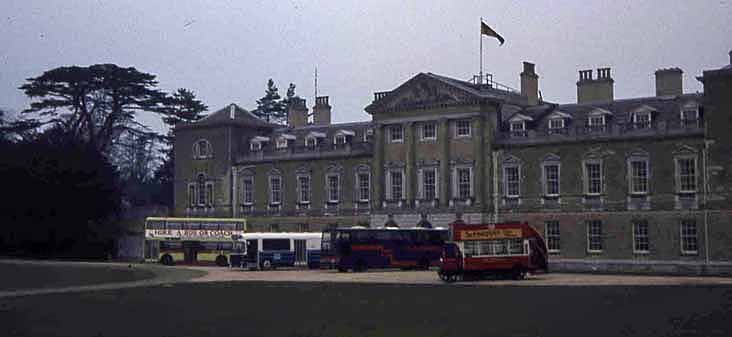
(599,90)
(321,111)
(297,113)
(530,83)
(669,82)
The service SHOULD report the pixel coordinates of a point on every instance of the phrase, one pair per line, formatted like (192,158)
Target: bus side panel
(313,258)
(278,258)
(494,263)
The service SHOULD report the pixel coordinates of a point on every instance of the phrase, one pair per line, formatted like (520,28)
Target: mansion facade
(641,181)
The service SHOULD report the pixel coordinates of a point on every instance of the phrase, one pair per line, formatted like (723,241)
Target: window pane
(463,128)
(594,235)
(333,187)
(688,236)
(639,176)
(364,186)
(594,178)
(396,185)
(551,174)
(512,180)
(464,183)
(552,235)
(640,236)
(429,184)
(687,174)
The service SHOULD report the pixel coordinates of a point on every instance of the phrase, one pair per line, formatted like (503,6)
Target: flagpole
(480,31)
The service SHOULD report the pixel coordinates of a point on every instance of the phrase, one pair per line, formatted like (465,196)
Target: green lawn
(15,276)
(341,310)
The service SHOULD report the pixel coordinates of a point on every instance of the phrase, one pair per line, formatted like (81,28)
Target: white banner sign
(191,234)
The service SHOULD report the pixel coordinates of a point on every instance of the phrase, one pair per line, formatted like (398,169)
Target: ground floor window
(552,236)
(689,244)
(594,235)
(640,237)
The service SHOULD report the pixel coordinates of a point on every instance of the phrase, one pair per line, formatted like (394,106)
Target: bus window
(450,251)
(515,247)
(363,236)
(275,244)
(173,225)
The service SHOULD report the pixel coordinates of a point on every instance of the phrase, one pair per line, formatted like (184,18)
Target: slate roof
(242,117)
(664,108)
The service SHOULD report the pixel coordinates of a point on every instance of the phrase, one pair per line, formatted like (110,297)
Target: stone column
(377,168)
(410,176)
(443,140)
(479,157)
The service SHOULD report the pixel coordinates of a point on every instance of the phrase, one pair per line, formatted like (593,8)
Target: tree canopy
(94,103)
(270,107)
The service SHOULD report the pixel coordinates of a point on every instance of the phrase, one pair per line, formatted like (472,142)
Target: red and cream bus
(512,249)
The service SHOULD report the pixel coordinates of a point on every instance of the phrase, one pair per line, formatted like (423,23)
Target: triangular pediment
(424,90)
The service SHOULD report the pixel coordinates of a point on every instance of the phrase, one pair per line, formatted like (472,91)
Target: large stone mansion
(616,180)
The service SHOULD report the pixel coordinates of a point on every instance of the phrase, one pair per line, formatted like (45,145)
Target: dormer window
(556,123)
(255,146)
(281,143)
(596,121)
(311,142)
(690,115)
(642,120)
(518,126)
(256,143)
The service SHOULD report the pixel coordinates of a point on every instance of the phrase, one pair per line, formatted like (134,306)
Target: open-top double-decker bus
(192,240)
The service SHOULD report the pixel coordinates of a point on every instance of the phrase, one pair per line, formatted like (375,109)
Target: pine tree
(271,108)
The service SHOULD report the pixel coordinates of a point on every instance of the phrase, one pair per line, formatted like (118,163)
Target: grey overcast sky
(226,50)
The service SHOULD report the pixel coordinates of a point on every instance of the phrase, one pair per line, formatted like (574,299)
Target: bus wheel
(342,270)
(222,261)
(360,266)
(518,273)
(266,265)
(166,259)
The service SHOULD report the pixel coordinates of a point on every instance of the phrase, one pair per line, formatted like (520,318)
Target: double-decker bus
(192,240)
(359,248)
(512,249)
(271,250)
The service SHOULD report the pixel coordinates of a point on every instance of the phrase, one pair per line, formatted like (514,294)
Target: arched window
(202,149)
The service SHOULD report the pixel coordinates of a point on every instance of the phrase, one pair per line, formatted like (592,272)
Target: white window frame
(631,176)
(255,146)
(517,126)
(392,133)
(247,201)
(424,136)
(360,187)
(589,225)
(192,196)
(588,179)
(272,200)
(555,127)
(551,235)
(210,194)
(458,128)
(309,140)
(423,183)
(637,237)
(678,177)
(684,235)
(366,134)
(281,143)
(329,189)
(592,120)
(300,191)
(342,137)
(637,117)
(506,189)
(545,178)
(390,184)
(456,182)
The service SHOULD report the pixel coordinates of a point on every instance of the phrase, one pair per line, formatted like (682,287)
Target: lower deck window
(275,244)
(494,247)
